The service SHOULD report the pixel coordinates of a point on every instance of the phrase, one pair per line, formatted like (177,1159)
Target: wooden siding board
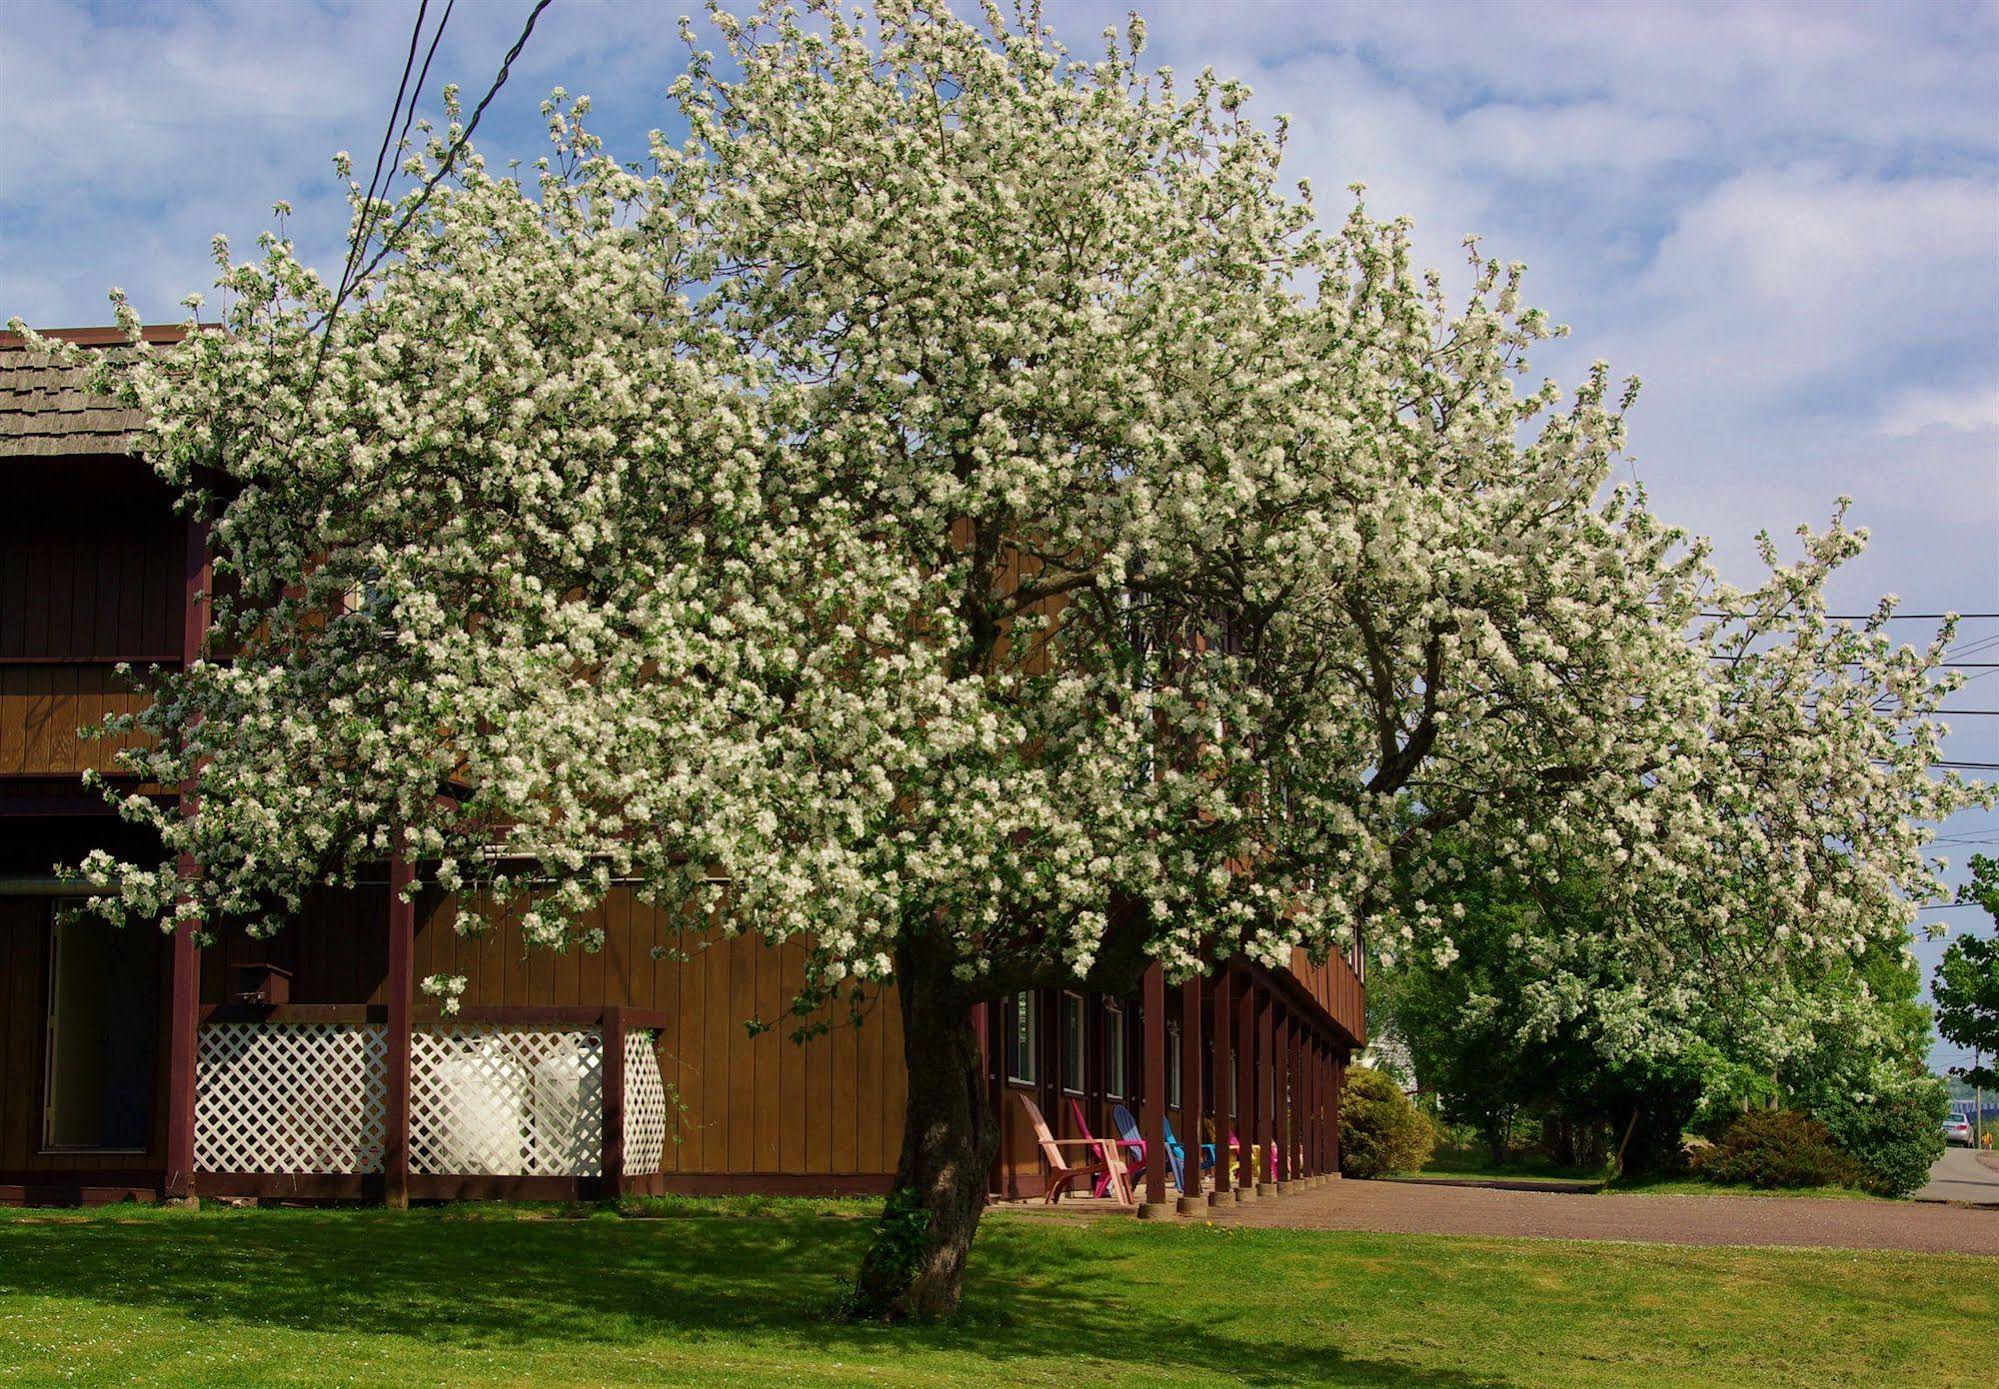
(791,1063)
(769,965)
(742,1062)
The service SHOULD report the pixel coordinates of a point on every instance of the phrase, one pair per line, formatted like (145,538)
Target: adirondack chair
(1064,1172)
(1133,1162)
(1235,1151)
(1173,1146)
(1176,1154)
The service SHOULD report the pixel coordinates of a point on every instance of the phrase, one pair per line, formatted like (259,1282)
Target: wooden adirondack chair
(1131,1154)
(1064,1172)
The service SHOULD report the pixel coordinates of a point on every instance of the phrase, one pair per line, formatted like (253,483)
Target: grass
(1694,1186)
(1469,1165)
(728,1293)
(1473,1164)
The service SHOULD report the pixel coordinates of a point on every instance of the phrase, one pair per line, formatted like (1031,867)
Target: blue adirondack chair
(1176,1155)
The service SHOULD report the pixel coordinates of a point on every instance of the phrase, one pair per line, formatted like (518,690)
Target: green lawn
(719,1297)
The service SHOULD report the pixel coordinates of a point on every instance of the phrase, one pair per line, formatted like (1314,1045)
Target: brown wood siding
(1336,988)
(44,707)
(749,1105)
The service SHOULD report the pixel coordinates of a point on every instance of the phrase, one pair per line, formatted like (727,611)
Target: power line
(445,164)
(1868,617)
(375,181)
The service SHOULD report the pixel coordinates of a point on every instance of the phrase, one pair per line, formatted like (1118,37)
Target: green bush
(1893,1139)
(1775,1148)
(1380,1131)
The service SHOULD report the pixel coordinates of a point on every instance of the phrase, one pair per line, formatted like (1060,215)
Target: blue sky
(1784,218)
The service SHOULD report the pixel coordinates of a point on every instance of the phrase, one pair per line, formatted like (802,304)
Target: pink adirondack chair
(1132,1154)
(1064,1172)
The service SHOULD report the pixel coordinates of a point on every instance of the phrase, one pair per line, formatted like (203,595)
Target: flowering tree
(958,507)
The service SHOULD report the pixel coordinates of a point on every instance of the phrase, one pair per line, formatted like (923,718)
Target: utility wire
(451,153)
(375,180)
(358,245)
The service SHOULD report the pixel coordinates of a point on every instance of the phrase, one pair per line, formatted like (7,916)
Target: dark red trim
(614,1103)
(1153,1015)
(399,987)
(157,333)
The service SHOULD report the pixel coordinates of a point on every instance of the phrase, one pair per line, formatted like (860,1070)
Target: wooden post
(1245,1062)
(1266,1094)
(1284,1159)
(1223,1084)
(1295,1153)
(614,1102)
(1154,1021)
(1193,1053)
(184,983)
(1339,1093)
(1318,1108)
(400,989)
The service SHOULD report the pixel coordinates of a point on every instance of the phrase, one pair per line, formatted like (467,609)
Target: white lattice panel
(289,1097)
(645,1105)
(507,1102)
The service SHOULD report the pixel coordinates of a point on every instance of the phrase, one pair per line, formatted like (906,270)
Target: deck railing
(293,1099)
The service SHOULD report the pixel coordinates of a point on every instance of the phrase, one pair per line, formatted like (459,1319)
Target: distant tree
(1966,987)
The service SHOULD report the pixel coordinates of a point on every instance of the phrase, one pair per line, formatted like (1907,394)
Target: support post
(401,999)
(1223,1078)
(1282,1083)
(184,984)
(1339,1093)
(1193,1051)
(1153,1019)
(1294,1152)
(614,1103)
(1266,1093)
(1247,1176)
(1319,1090)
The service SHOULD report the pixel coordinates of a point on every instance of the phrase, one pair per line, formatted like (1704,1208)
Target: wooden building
(133,1064)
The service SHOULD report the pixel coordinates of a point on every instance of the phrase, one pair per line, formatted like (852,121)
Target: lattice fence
(290,1097)
(507,1102)
(646,1115)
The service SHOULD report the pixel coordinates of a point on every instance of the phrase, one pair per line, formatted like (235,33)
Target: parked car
(1957,1129)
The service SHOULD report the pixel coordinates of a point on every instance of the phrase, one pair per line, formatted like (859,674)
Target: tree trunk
(916,1265)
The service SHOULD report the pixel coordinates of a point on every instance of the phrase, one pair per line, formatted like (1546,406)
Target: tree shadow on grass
(1095,1296)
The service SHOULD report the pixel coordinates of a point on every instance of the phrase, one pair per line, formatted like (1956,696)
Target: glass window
(1021,1039)
(1114,1045)
(1173,1065)
(1074,1058)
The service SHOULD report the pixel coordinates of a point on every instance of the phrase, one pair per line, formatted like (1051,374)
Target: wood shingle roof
(46,407)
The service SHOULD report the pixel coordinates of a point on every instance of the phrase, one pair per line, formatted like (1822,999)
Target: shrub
(1775,1148)
(1380,1131)
(1894,1138)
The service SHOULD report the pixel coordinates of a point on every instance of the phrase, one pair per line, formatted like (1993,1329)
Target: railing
(497,1096)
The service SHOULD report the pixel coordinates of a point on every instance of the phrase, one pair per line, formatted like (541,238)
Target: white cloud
(1969,410)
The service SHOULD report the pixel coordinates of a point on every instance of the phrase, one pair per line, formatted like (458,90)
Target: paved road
(1963,1174)
(1767,1220)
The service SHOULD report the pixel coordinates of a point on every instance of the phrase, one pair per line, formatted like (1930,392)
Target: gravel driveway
(1449,1210)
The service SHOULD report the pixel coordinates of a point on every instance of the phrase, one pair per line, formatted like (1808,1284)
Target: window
(1022,1040)
(1114,1043)
(1173,1065)
(103,1014)
(1074,1058)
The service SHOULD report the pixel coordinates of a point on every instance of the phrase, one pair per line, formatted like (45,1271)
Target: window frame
(1078,1054)
(1117,1055)
(1023,1041)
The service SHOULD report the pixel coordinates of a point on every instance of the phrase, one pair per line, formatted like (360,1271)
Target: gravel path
(1444,1210)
